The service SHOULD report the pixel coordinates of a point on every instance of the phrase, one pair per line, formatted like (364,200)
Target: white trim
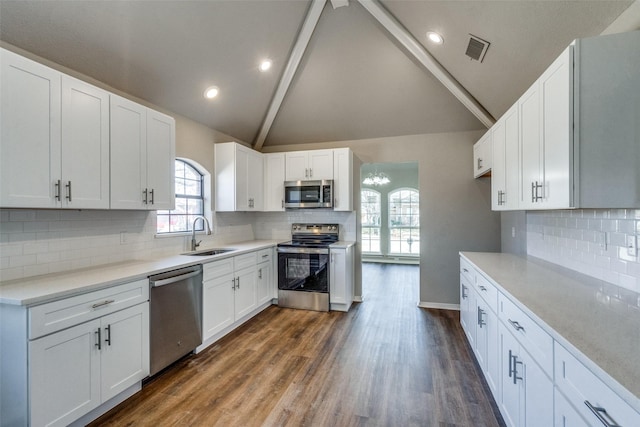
(439,305)
(358,298)
(418,51)
(309,25)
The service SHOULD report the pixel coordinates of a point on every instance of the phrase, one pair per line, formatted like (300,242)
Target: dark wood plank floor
(385,363)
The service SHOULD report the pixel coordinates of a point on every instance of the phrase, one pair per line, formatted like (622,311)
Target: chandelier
(376,178)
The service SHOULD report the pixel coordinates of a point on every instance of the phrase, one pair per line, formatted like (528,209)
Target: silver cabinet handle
(482,288)
(265,255)
(533,196)
(58,196)
(108,338)
(516,325)
(68,186)
(98,340)
(310,173)
(238,282)
(481,321)
(260,274)
(515,369)
(600,414)
(103,303)
(306,172)
(465,270)
(479,163)
(152,197)
(145,196)
(233,286)
(464,291)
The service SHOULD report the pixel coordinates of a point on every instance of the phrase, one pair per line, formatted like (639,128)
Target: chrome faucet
(194,244)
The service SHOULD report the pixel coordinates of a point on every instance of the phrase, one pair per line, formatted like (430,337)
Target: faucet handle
(197,244)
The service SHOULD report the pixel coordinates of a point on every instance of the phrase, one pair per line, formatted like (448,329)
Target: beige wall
(455,209)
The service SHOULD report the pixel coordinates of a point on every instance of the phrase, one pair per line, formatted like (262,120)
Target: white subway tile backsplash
(592,241)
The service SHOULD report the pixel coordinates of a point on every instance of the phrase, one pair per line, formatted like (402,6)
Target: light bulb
(211,92)
(265,65)
(435,37)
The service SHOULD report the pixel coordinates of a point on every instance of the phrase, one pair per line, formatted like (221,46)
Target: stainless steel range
(303,267)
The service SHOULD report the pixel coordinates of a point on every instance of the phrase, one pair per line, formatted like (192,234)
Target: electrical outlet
(632,245)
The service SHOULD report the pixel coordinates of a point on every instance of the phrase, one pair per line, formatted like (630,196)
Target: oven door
(303,271)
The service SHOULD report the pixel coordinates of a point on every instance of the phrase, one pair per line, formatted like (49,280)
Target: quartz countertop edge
(575,311)
(342,244)
(50,287)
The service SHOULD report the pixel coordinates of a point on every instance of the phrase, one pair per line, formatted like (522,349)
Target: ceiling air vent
(477,48)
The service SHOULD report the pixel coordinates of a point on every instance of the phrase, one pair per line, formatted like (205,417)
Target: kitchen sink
(209,252)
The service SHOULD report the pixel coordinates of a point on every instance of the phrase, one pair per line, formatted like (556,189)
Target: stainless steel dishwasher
(175,315)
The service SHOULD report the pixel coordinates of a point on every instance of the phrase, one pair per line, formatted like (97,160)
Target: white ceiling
(354,81)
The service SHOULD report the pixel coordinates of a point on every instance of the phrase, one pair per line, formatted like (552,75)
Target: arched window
(189,201)
(404,221)
(371,214)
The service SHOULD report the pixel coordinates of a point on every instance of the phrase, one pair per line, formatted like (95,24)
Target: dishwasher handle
(174,279)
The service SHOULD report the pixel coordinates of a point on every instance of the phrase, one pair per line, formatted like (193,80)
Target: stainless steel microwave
(308,194)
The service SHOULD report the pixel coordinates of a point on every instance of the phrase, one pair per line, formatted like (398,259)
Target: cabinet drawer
(468,271)
(264,255)
(487,292)
(244,261)
(217,269)
(531,336)
(57,315)
(580,385)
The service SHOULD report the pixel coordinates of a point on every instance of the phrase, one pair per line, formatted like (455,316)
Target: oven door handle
(284,250)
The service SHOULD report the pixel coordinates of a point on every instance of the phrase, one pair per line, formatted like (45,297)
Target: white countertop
(600,320)
(49,287)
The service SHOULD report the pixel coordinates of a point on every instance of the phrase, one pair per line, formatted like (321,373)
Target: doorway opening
(390,227)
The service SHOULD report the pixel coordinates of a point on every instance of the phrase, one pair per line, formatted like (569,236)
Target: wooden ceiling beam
(400,33)
(309,25)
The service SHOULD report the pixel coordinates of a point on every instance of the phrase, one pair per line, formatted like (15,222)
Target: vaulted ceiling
(354,80)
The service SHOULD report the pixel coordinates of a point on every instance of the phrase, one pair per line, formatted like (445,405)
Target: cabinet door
(511,387)
(482,155)
(556,92)
(255,182)
(125,349)
(64,375)
(274,176)
(467,315)
(296,166)
(245,295)
(264,286)
(342,179)
(492,373)
(498,165)
(320,164)
(128,154)
(337,277)
(482,334)
(242,178)
(511,195)
(530,136)
(85,145)
(29,133)
(161,143)
(217,304)
(538,394)
(565,415)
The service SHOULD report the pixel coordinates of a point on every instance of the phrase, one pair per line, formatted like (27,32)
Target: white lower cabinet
(527,392)
(234,288)
(77,369)
(534,380)
(341,290)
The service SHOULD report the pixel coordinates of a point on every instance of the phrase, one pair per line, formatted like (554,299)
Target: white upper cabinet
(55,138)
(30,133)
(342,179)
(142,157)
(577,126)
(309,165)
(505,179)
(239,178)
(274,181)
(161,154)
(482,155)
(85,145)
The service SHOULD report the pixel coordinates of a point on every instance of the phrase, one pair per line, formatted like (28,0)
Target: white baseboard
(439,305)
(107,406)
(358,298)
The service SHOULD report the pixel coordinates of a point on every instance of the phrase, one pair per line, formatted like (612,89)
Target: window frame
(413,223)
(188,214)
(371,227)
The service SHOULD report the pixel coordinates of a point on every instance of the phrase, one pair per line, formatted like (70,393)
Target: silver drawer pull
(465,270)
(601,413)
(100,304)
(265,255)
(516,326)
(482,288)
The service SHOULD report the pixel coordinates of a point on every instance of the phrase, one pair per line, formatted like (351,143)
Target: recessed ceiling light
(211,92)
(265,65)
(435,37)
